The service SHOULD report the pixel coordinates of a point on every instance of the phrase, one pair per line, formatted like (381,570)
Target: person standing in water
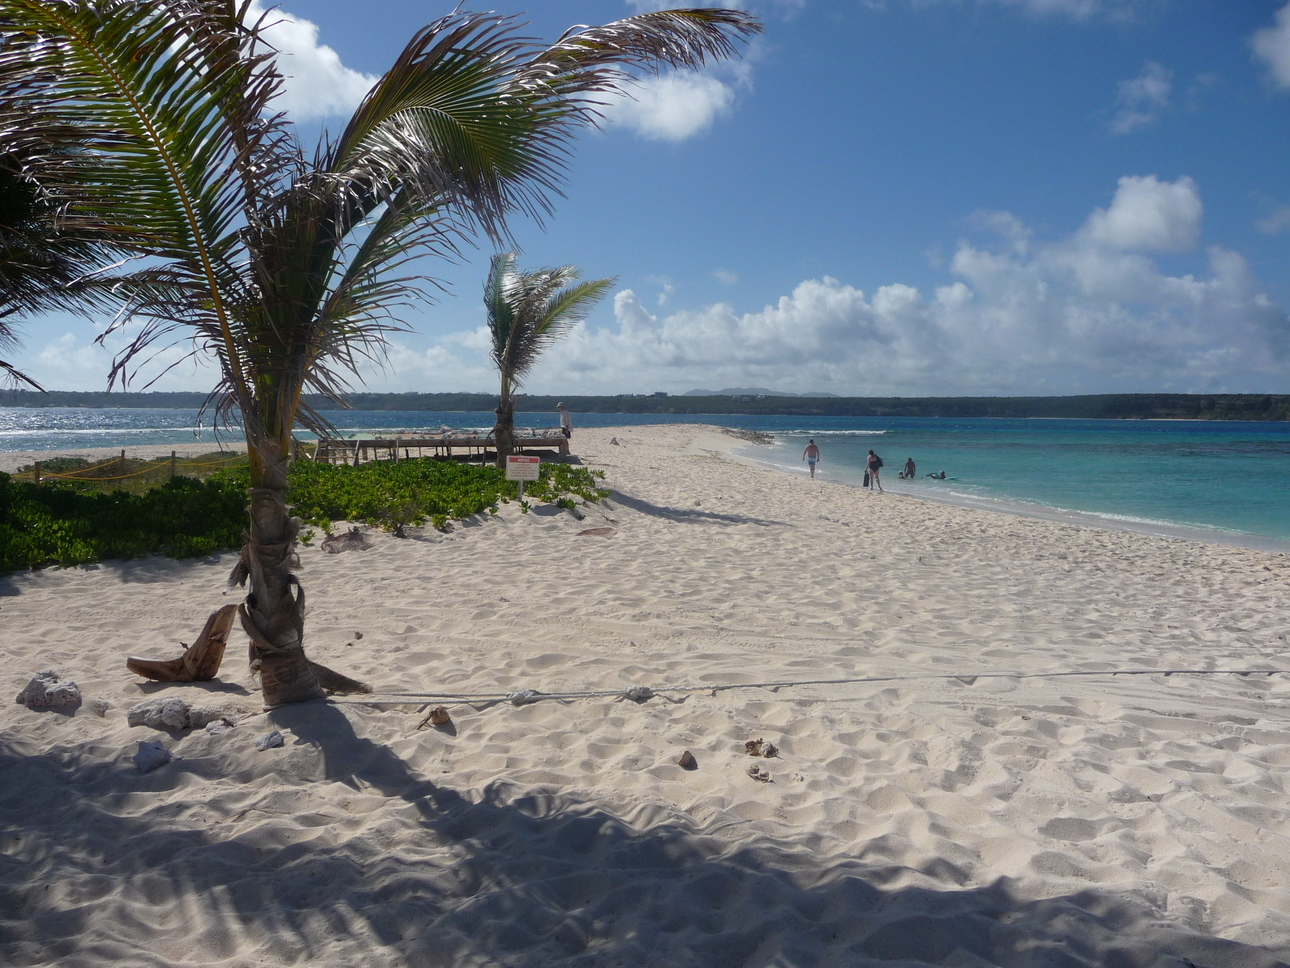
(874,463)
(909,469)
(811,455)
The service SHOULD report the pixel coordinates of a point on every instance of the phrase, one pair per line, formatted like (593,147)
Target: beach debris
(698,504)
(436,717)
(758,774)
(99,707)
(686,761)
(167,712)
(351,540)
(614,441)
(199,661)
(358,635)
(159,713)
(47,688)
(597,532)
(759,747)
(638,693)
(202,716)
(523,697)
(149,756)
(217,727)
(269,741)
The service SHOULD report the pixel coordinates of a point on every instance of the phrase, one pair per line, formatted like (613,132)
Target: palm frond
(147,123)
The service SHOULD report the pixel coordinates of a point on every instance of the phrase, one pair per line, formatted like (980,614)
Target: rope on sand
(523,697)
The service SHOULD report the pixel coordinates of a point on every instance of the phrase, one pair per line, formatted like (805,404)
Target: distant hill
(751,392)
(1103,406)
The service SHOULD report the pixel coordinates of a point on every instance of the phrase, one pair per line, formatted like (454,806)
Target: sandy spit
(958,801)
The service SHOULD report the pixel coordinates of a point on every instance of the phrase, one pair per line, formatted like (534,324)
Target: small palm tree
(151,127)
(528,310)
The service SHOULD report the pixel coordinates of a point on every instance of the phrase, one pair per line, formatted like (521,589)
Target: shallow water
(1212,480)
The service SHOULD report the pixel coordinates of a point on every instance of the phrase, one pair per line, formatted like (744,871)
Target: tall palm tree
(151,123)
(528,310)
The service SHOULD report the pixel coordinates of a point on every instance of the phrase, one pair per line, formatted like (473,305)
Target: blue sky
(902,197)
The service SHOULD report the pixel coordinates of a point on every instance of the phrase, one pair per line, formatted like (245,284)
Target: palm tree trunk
(504,431)
(273,614)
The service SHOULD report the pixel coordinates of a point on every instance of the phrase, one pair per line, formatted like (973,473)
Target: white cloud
(674,106)
(1142,99)
(74,361)
(1092,311)
(1272,46)
(1277,221)
(1148,214)
(725,276)
(1003,224)
(317,84)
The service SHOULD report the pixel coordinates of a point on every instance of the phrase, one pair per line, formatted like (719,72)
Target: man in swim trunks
(811,455)
(909,469)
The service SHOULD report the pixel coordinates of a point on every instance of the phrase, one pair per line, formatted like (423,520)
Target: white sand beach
(983,791)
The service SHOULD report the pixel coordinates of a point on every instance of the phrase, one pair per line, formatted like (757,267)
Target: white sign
(520,468)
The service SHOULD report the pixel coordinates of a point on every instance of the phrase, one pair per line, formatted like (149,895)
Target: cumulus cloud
(74,361)
(1142,99)
(673,106)
(317,84)
(1088,312)
(1272,47)
(1150,215)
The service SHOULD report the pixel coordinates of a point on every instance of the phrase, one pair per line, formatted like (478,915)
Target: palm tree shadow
(687,515)
(505,878)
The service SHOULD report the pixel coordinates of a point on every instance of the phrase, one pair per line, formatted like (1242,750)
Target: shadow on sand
(93,870)
(687,515)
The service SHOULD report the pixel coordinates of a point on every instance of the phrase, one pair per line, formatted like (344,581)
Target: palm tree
(151,124)
(39,262)
(528,310)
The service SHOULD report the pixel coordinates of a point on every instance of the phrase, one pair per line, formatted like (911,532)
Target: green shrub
(57,525)
(66,523)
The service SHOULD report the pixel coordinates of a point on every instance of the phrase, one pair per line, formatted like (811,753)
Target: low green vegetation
(64,522)
(60,524)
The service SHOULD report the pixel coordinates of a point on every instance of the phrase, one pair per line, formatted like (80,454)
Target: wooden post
(172,465)
(123,462)
(36,473)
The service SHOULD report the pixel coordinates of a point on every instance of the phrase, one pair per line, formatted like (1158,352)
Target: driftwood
(200,660)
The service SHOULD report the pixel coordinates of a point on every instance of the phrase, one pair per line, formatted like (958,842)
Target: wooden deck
(358,450)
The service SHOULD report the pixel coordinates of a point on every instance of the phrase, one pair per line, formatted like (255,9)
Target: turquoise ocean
(1207,480)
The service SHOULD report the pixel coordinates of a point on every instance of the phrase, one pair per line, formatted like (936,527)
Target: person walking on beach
(811,455)
(909,469)
(873,464)
(566,421)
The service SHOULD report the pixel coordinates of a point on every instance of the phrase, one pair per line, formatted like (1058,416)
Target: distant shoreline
(1112,406)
